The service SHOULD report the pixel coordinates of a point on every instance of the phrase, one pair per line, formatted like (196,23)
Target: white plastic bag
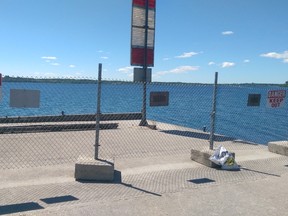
(224,159)
(220,156)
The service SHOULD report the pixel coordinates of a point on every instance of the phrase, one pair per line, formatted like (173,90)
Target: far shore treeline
(93,81)
(47,80)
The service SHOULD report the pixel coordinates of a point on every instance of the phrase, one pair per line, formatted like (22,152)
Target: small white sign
(139,75)
(23,98)
(276,98)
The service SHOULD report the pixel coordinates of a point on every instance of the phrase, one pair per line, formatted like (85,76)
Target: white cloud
(246,61)
(275,55)
(104,57)
(211,63)
(178,70)
(227,64)
(227,33)
(55,64)
(187,55)
(166,59)
(183,69)
(49,58)
(50,75)
(72,66)
(126,70)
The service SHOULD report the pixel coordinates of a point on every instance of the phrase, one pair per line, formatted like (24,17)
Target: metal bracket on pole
(98,113)
(213,114)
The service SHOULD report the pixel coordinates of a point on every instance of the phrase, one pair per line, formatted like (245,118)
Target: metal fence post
(213,114)
(98,112)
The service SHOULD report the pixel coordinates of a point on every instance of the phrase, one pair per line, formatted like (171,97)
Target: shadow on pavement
(198,135)
(256,171)
(118,180)
(21,207)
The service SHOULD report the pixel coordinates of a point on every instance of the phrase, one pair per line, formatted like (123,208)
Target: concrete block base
(89,169)
(202,157)
(279,147)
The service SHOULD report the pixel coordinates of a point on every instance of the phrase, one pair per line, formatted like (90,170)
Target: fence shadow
(198,135)
(20,207)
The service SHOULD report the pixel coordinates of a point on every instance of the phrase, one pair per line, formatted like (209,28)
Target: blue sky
(244,40)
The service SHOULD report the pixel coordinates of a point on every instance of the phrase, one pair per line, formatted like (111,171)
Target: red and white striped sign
(138,31)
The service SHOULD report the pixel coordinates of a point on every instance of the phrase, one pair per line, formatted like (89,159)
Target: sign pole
(213,114)
(98,112)
(143,120)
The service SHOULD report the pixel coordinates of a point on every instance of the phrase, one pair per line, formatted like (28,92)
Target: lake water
(190,105)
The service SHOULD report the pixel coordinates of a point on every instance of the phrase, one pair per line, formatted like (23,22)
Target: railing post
(98,113)
(213,114)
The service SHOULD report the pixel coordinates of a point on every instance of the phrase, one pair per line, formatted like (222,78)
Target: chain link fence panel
(247,113)
(63,127)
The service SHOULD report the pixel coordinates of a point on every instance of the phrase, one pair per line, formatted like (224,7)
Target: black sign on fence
(254,100)
(159,98)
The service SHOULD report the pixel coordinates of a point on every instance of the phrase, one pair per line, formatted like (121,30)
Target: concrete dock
(154,175)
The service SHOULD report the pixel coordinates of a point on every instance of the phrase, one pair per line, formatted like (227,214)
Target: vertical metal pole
(98,113)
(213,114)
(0,87)
(143,120)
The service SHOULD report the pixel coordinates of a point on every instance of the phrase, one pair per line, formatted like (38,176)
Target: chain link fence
(62,128)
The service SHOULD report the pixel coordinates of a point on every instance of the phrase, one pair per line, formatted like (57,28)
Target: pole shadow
(118,180)
(260,172)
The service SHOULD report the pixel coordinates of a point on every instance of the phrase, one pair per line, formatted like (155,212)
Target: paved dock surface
(153,177)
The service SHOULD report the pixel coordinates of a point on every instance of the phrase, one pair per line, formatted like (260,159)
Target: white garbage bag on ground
(224,158)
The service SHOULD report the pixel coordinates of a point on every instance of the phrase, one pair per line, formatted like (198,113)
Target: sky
(245,41)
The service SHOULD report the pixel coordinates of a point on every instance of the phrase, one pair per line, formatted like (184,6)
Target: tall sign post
(142,41)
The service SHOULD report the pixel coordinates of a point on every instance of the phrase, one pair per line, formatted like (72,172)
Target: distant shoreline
(94,81)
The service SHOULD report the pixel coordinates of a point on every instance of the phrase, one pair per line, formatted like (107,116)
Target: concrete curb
(279,147)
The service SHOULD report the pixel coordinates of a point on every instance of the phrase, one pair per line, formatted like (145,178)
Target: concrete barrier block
(87,168)
(202,157)
(278,147)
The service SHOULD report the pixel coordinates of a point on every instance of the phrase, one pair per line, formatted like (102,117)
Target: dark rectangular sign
(254,100)
(24,98)
(159,98)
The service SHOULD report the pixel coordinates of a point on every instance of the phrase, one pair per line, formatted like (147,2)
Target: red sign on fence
(276,98)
